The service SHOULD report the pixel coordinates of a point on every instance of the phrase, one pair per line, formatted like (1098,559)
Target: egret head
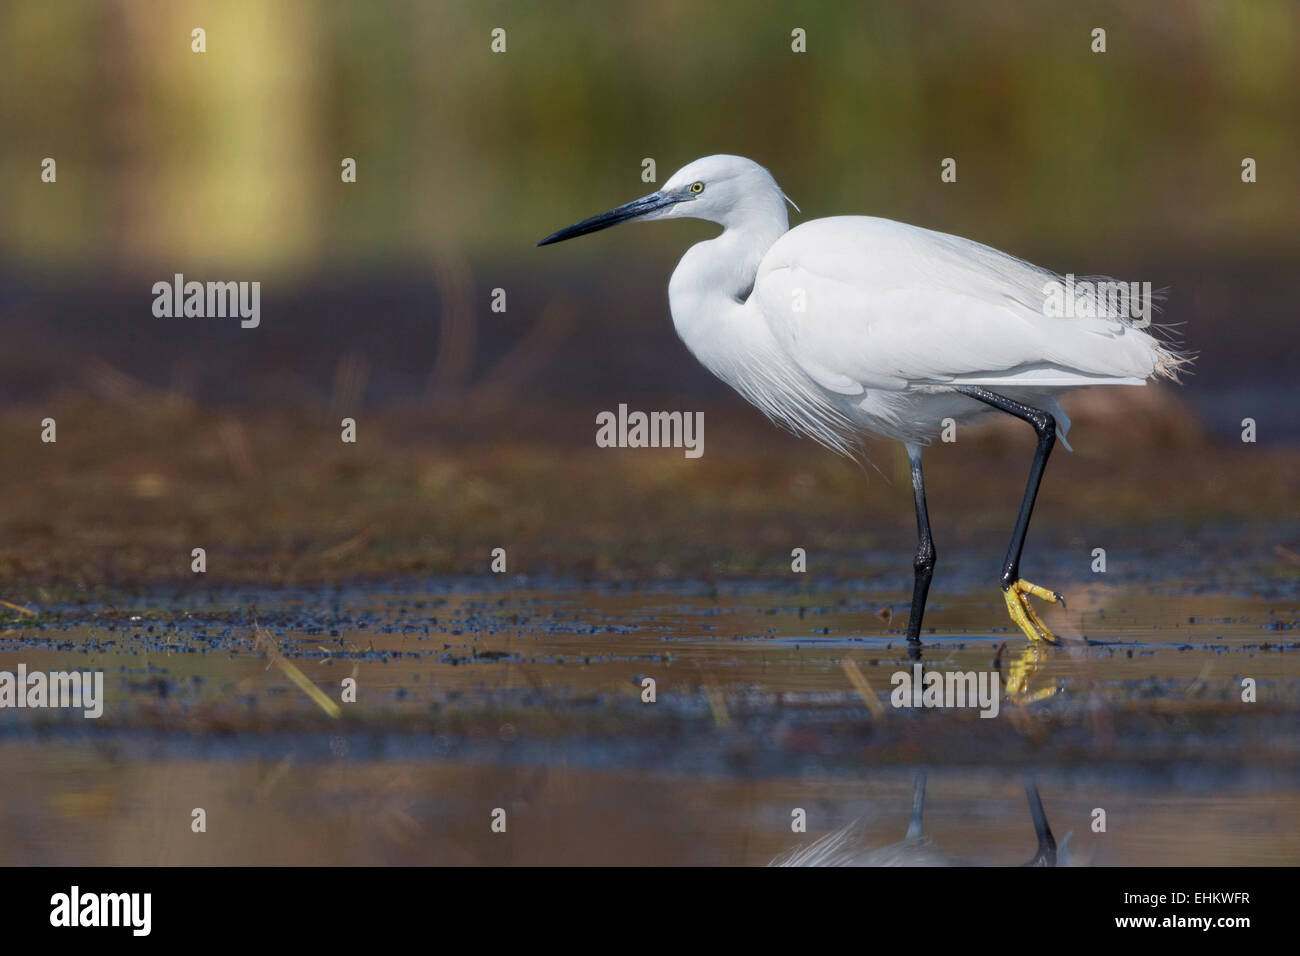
(728,190)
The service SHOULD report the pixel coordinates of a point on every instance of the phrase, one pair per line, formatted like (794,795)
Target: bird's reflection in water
(1018,669)
(848,846)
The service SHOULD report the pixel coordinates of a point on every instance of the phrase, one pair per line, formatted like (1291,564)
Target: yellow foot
(1023,613)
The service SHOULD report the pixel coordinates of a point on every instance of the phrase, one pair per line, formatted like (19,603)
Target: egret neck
(709,287)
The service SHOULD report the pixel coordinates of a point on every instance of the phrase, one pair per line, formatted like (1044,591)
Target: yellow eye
(697,188)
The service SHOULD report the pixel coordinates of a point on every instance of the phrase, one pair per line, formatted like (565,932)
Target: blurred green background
(376,296)
(233,156)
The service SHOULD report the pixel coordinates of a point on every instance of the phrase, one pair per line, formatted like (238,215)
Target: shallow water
(474,695)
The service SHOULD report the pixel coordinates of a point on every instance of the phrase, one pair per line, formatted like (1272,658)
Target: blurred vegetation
(169,159)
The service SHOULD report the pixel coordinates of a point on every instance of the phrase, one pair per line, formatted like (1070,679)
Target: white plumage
(855,323)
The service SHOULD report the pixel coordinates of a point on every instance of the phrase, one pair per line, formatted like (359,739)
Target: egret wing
(865,303)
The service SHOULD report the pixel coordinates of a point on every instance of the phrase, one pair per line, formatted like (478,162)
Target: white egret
(855,324)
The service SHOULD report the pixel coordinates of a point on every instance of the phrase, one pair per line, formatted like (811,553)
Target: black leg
(1046,855)
(1045,427)
(923,563)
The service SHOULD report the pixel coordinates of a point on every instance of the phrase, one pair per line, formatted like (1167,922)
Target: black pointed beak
(631,210)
